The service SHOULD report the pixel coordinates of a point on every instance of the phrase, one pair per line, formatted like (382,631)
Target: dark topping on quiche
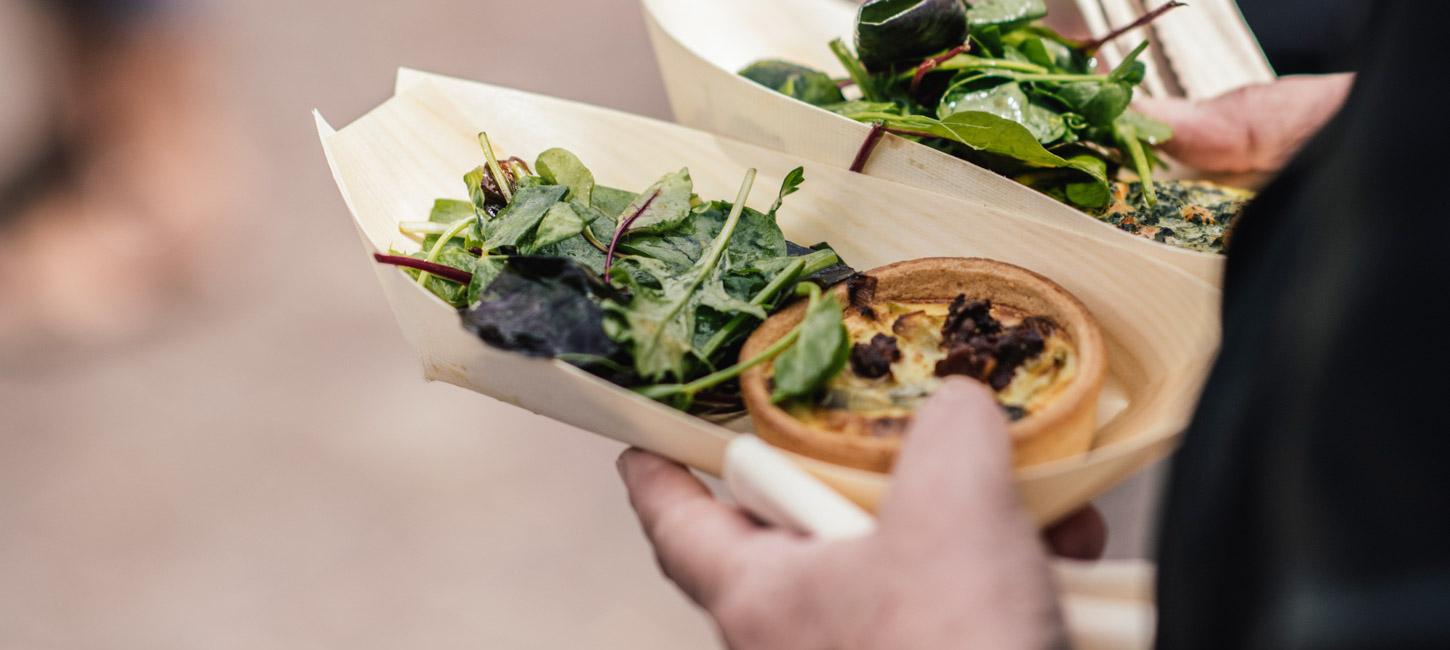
(979,347)
(1014,412)
(967,320)
(860,293)
(873,360)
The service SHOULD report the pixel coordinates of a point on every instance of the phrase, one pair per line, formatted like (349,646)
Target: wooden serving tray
(702,44)
(1160,322)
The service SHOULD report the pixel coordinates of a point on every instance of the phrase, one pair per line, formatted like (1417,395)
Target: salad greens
(655,290)
(982,80)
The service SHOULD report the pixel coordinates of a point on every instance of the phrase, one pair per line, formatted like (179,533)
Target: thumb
(955,462)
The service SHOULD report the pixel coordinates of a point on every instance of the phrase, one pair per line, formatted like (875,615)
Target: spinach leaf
(1007,101)
(485,270)
(659,323)
(560,167)
(895,31)
(756,237)
(808,85)
(819,353)
(1004,13)
(544,307)
(662,206)
(563,220)
(518,221)
(611,202)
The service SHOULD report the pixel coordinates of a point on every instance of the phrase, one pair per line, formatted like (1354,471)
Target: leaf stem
(494,168)
(454,230)
(931,63)
(440,270)
(1091,47)
(873,138)
(623,226)
(1128,137)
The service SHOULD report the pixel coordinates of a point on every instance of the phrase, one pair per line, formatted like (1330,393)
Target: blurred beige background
(215,436)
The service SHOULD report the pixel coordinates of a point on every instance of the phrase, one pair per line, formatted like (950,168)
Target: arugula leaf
(518,221)
(798,81)
(560,167)
(819,353)
(895,31)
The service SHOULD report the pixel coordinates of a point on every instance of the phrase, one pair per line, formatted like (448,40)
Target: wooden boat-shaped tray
(1160,322)
(702,44)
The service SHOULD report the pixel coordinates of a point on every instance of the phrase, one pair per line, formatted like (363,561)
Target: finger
(1081,536)
(956,460)
(1206,135)
(694,536)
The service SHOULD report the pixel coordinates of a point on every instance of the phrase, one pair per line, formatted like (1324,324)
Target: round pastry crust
(1064,428)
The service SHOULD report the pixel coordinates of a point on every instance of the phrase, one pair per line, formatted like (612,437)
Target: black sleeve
(1310,505)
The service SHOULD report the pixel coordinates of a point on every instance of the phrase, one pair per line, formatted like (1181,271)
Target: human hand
(1252,129)
(954,561)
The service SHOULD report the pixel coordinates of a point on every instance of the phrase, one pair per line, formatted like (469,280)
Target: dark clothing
(1306,36)
(1310,504)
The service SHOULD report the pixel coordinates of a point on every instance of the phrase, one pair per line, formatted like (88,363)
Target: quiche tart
(911,325)
(1196,215)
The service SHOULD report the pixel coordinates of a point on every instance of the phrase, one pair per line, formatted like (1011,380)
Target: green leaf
(611,202)
(1131,71)
(1006,13)
(662,206)
(518,221)
(854,69)
(819,353)
(564,220)
(485,269)
(896,31)
(450,211)
(1007,101)
(659,324)
(808,85)
(788,186)
(853,108)
(560,167)
(1148,129)
(1099,103)
(1093,193)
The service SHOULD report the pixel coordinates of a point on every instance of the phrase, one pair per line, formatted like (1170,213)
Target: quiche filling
(1196,215)
(901,351)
